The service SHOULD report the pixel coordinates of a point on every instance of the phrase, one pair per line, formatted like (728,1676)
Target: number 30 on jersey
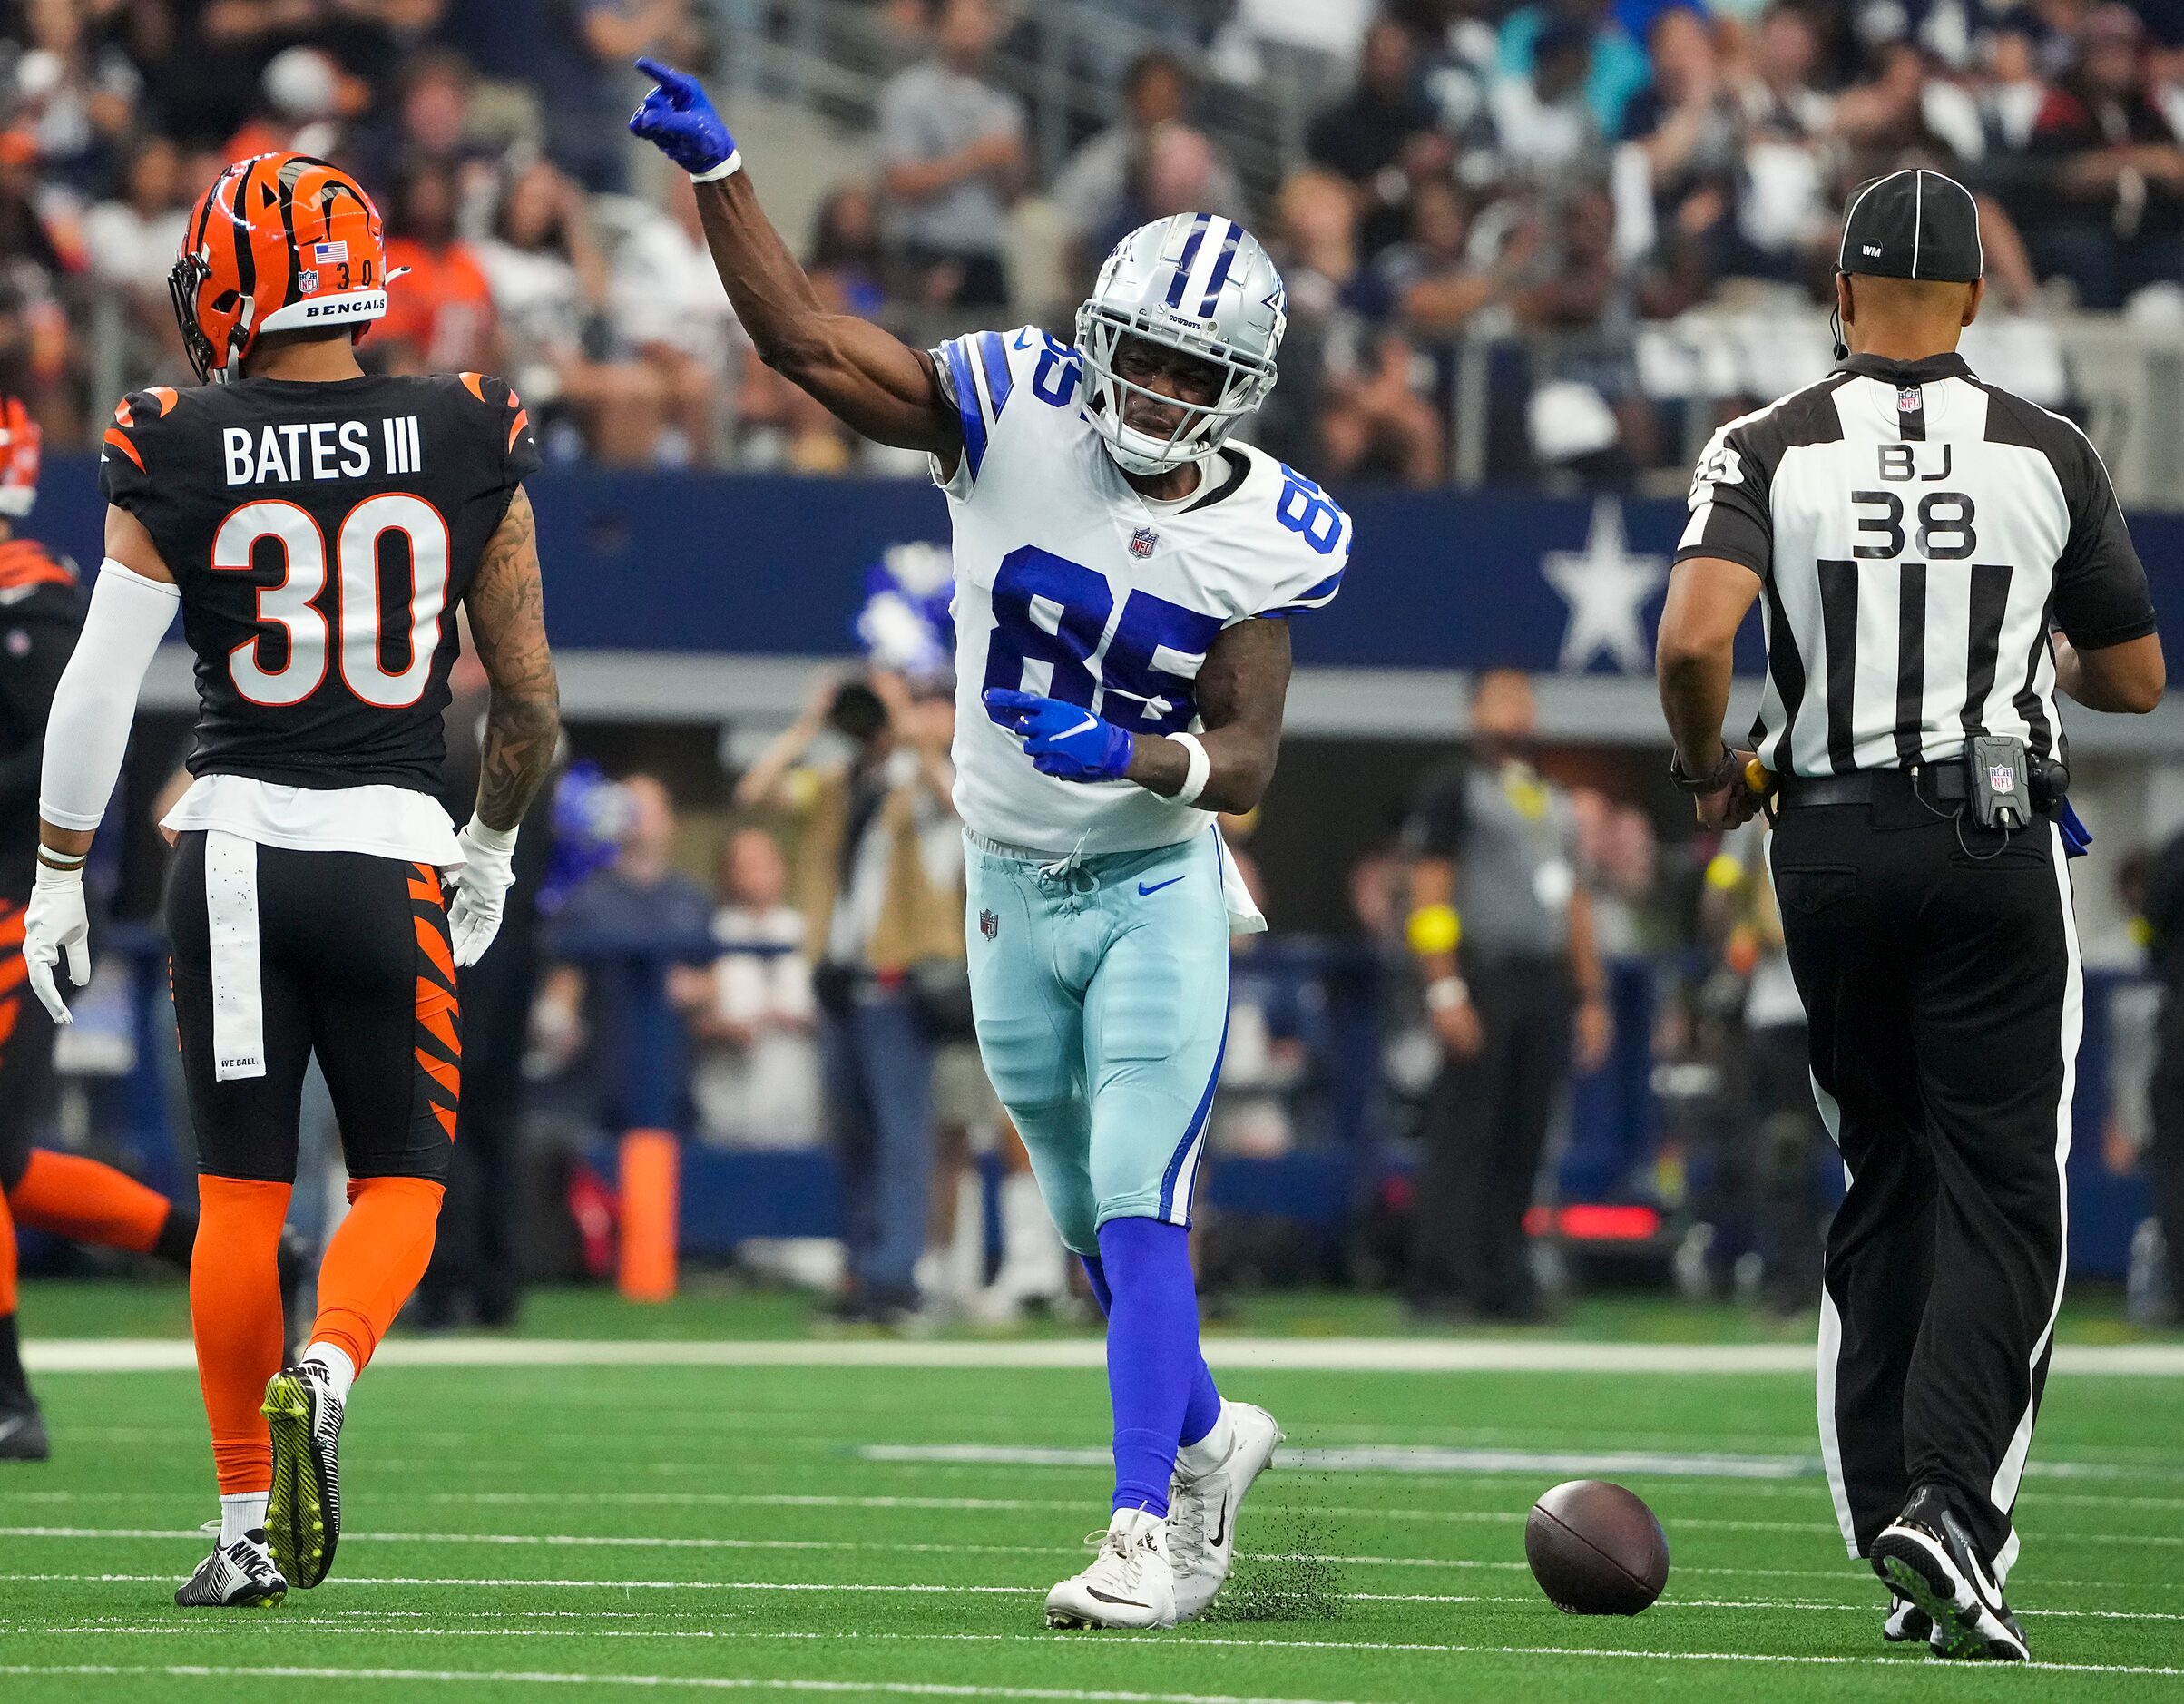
(291,604)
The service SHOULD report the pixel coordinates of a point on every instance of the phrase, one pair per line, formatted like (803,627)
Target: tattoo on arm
(1241,690)
(508,624)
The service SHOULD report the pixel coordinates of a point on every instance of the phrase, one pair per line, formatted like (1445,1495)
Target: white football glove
(480,884)
(55,923)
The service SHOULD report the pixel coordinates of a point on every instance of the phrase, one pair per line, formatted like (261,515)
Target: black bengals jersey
(41,613)
(322,535)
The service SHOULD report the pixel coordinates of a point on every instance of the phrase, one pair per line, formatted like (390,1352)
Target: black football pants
(1939,967)
(1485,1128)
(27,1052)
(278,956)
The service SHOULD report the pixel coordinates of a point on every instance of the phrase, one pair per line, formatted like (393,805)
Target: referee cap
(1914,223)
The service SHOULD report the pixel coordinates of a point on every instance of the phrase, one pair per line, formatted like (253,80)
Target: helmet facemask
(1200,429)
(185,279)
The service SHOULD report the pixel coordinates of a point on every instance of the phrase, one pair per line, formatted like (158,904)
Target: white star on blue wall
(1606,586)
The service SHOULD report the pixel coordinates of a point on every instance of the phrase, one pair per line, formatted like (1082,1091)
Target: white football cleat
(1203,1506)
(1128,1583)
(237,1576)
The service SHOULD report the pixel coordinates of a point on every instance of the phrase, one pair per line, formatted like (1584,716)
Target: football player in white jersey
(1125,573)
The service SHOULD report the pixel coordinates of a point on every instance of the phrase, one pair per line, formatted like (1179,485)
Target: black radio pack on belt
(1999,773)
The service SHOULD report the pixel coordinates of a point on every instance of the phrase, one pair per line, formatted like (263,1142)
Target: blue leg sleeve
(1156,1379)
(1095,1271)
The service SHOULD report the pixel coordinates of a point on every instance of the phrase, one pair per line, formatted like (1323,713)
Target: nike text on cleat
(303,1517)
(1928,1559)
(237,1576)
(1128,1583)
(22,1429)
(1203,1508)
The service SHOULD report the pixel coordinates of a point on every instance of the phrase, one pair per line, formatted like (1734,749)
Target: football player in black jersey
(318,528)
(67,1195)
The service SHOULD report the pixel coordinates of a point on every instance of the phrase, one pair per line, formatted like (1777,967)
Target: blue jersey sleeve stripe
(993,355)
(1221,271)
(1312,598)
(1189,259)
(967,404)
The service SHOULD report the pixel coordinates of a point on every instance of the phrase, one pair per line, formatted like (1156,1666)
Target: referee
(1938,559)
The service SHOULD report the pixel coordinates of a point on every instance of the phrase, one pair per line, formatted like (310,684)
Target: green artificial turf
(548,1532)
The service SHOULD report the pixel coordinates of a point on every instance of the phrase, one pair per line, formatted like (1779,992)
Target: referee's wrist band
(1713,781)
(727,168)
(1199,772)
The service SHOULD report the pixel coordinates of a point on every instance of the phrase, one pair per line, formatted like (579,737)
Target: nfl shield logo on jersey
(989,924)
(1143,542)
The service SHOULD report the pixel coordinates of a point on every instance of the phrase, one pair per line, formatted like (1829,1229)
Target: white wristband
(500,840)
(1447,994)
(1199,772)
(727,168)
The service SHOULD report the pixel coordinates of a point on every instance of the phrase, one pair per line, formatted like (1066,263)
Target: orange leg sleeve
(86,1201)
(374,1261)
(7,1261)
(235,1315)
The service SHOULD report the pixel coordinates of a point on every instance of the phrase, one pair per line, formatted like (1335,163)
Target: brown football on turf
(1596,1549)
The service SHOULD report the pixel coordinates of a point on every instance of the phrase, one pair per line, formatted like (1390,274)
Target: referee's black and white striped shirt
(1917,532)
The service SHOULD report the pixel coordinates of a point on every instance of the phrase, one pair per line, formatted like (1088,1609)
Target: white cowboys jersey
(1071,585)
(1916,532)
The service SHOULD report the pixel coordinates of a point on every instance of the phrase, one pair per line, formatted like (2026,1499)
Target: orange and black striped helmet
(281,241)
(19,439)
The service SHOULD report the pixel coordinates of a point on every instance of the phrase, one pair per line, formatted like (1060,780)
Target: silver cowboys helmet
(1194,282)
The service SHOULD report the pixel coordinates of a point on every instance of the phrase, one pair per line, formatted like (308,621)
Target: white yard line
(1315,1354)
(661,1542)
(706,1683)
(1400,1458)
(1929,1673)
(1870,1608)
(582,1542)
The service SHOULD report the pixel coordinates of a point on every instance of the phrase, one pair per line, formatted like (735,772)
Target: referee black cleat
(303,1517)
(1929,1560)
(237,1576)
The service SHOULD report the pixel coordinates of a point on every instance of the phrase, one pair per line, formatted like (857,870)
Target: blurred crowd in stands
(1562,175)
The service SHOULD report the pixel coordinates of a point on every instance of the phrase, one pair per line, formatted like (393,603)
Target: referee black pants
(1486,1129)
(1939,966)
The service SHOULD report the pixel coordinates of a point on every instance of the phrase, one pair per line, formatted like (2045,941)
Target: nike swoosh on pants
(1171,882)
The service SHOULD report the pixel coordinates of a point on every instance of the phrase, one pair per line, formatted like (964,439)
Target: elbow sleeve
(88,730)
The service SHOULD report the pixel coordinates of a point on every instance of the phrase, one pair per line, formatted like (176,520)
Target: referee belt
(1943,783)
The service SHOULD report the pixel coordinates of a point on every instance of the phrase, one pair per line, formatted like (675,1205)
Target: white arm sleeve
(87,731)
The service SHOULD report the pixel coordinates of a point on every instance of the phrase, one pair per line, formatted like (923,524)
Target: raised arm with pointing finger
(872,381)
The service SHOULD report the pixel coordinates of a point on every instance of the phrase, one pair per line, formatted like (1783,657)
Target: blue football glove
(1063,740)
(678,118)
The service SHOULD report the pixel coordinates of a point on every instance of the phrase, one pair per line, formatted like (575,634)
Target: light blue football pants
(1101,989)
